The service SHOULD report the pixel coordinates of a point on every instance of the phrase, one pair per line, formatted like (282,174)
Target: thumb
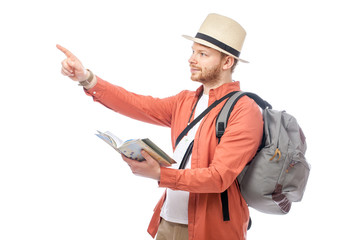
(76,66)
(148,158)
(71,62)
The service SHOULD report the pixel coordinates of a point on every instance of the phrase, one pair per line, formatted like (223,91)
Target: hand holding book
(149,168)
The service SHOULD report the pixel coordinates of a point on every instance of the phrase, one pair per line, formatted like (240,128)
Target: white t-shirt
(175,208)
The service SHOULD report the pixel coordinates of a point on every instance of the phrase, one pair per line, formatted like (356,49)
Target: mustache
(194,66)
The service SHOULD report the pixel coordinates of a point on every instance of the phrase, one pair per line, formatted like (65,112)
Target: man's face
(205,64)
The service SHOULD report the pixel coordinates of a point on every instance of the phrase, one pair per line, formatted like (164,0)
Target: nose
(192,59)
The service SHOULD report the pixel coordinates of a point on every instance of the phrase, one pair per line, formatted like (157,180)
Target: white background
(58,181)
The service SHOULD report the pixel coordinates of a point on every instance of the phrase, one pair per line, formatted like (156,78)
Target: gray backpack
(278,173)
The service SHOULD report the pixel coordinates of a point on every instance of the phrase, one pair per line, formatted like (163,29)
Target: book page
(117,141)
(110,138)
(132,149)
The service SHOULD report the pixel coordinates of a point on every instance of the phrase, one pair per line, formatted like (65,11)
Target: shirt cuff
(168,177)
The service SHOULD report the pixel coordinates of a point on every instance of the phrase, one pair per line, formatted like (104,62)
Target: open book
(132,148)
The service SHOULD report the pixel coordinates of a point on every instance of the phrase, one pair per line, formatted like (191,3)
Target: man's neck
(215,84)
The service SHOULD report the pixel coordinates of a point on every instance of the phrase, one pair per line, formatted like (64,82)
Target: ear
(228,62)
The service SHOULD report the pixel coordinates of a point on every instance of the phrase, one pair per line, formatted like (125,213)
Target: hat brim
(208,44)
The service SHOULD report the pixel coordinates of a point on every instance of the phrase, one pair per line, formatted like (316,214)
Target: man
(191,208)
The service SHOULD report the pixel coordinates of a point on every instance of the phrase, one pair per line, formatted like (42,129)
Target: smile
(194,70)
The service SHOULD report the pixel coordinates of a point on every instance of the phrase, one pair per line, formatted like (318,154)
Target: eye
(203,54)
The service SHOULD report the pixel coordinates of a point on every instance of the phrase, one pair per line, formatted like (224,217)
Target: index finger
(65,51)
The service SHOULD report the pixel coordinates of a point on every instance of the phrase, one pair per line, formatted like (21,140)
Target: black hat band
(217,43)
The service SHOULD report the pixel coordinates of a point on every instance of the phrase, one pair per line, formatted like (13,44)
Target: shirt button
(94,92)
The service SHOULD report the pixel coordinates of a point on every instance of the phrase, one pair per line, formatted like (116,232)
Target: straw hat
(221,33)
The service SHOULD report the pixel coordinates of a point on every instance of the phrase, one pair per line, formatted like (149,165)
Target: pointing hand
(72,67)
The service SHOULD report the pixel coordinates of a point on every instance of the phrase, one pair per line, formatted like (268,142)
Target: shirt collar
(221,91)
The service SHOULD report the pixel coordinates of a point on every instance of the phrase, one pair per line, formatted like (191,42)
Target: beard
(206,75)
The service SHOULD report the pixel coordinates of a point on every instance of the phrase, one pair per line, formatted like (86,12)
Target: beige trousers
(172,231)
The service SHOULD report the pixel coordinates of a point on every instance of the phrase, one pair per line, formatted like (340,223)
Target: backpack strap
(195,121)
(221,123)
(192,124)
(222,119)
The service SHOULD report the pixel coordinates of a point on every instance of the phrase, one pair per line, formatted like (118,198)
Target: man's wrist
(90,81)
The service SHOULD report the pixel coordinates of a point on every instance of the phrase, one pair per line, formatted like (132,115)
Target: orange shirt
(214,166)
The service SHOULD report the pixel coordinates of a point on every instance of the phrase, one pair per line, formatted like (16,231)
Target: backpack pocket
(295,176)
